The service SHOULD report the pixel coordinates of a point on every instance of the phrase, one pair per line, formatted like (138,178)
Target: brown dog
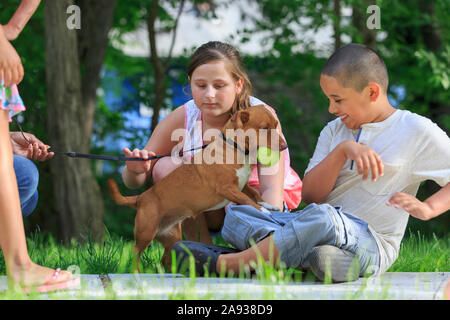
(209,183)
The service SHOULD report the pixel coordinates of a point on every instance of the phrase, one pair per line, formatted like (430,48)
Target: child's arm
(272,185)
(319,181)
(20,18)
(11,69)
(435,205)
(271,179)
(136,173)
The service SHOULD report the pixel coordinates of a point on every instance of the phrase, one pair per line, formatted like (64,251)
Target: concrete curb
(390,286)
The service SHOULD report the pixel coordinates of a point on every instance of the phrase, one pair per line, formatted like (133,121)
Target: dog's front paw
(268,206)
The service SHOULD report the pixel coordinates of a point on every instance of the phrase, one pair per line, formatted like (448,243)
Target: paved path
(394,285)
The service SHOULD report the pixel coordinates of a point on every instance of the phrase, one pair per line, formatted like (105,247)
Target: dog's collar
(234,144)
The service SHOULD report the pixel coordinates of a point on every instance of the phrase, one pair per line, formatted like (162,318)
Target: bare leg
(264,249)
(19,267)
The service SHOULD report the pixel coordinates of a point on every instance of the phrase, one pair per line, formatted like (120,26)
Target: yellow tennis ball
(267,157)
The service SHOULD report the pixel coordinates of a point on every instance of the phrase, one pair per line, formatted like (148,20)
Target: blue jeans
(295,234)
(27,177)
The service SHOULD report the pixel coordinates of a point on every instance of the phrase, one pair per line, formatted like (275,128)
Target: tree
(160,66)
(361,33)
(73,63)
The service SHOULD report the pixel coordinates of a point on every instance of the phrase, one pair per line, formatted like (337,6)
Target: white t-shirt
(412,148)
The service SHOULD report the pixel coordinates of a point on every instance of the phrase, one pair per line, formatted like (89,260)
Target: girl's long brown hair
(216,50)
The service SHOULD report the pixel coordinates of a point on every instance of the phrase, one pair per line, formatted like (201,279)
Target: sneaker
(205,256)
(331,262)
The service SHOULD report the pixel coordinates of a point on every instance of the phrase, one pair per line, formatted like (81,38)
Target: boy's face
(348,104)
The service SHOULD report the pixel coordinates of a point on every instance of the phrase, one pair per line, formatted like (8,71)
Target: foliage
(420,253)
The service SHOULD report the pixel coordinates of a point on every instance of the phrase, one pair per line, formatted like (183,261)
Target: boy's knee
(322,213)
(321,219)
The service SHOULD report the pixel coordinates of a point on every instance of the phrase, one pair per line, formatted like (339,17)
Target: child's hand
(138,167)
(33,148)
(365,159)
(11,68)
(412,205)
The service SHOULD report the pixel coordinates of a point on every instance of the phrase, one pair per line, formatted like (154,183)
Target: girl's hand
(412,205)
(11,68)
(138,167)
(365,159)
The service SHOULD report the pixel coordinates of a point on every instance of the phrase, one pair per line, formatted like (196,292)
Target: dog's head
(253,128)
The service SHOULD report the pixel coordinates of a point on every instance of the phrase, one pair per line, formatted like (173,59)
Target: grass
(418,253)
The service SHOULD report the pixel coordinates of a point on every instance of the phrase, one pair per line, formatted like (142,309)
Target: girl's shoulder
(175,119)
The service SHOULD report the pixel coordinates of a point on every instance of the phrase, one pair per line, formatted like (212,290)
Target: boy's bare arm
(319,182)
(432,207)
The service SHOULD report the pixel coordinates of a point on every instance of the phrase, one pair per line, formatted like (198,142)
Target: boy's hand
(412,205)
(138,167)
(365,159)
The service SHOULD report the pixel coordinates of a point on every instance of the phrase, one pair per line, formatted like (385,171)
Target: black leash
(105,157)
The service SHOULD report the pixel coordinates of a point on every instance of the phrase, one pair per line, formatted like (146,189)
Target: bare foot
(31,274)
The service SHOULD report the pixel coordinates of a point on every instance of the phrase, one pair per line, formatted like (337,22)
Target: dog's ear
(241,118)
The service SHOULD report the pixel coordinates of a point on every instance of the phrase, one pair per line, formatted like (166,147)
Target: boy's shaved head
(355,65)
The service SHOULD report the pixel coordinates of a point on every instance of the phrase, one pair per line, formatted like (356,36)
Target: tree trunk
(158,66)
(77,195)
(430,32)
(337,24)
(359,18)
(97,16)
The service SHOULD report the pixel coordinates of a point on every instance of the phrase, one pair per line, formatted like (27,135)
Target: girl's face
(214,89)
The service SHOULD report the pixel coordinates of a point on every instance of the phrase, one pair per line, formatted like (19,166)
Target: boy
(354,225)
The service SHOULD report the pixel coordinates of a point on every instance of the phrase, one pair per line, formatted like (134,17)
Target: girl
(19,267)
(220,87)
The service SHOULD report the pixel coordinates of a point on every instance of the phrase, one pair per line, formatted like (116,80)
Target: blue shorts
(297,233)
(27,177)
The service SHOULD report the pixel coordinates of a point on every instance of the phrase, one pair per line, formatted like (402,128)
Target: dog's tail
(120,199)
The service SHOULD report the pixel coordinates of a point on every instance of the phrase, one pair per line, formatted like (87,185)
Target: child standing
(19,267)
(220,87)
(358,223)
